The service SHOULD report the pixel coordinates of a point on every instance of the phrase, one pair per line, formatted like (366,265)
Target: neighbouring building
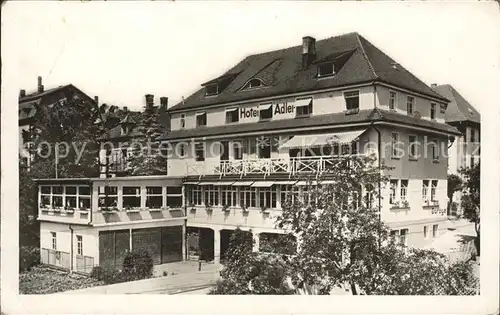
(464,152)
(116,143)
(30,103)
(244,138)
(86,222)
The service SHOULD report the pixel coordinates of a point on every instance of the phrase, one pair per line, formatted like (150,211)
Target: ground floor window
(425,232)
(195,195)
(131,197)
(211,195)
(229,196)
(174,197)
(53,236)
(154,197)
(108,196)
(435,230)
(79,245)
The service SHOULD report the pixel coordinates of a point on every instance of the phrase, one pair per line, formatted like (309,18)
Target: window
(426,232)
(267,197)
(108,196)
(402,236)
(442,108)
(287,194)
(84,198)
(237,150)
(54,240)
(404,189)
(201,119)
(394,145)
(131,197)
(79,245)
(154,197)
(182,150)
(248,197)
(57,196)
(253,83)
(70,197)
(303,107)
(434,184)
(409,105)
(196,195)
(392,100)
(45,196)
(413,147)
(174,196)
(434,230)
(212,89)
(425,189)
(183,121)
(369,190)
(352,101)
(433,110)
(393,186)
(200,151)
(211,195)
(326,69)
(265,111)
(232,115)
(229,196)
(435,150)
(264,148)
(472,136)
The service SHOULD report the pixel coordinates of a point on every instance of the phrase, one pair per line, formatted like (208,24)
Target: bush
(138,264)
(28,257)
(111,276)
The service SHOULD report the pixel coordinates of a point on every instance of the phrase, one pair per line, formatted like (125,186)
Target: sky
(121,51)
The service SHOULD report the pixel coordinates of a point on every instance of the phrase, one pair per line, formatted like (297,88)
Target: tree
(471,198)
(248,272)
(148,158)
(454,184)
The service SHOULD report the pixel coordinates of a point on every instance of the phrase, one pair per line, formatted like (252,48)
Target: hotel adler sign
(278,109)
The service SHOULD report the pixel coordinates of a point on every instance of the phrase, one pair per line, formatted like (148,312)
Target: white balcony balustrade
(291,166)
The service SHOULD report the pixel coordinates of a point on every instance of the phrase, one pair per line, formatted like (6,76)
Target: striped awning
(307,141)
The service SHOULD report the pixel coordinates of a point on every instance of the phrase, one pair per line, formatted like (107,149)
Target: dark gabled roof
(363,63)
(115,133)
(127,120)
(333,120)
(458,108)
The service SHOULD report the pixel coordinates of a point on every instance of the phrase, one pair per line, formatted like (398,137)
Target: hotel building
(246,137)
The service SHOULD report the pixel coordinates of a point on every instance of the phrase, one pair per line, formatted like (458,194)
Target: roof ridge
(365,55)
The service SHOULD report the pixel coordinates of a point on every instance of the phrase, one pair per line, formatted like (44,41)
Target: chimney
(164,102)
(40,86)
(308,50)
(150,100)
(22,93)
(96,100)
(434,85)
(125,109)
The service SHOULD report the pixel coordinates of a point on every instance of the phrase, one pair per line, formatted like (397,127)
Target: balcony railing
(291,166)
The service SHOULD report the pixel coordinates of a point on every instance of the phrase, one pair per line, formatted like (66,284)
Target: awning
(232,109)
(303,102)
(307,141)
(265,106)
(262,184)
(242,183)
(191,183)
(306,183)
(288,182)
(207,183)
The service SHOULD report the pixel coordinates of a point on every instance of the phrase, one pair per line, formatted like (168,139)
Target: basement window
(326,69)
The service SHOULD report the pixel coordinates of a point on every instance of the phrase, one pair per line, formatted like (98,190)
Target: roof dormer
(216,86)
(253,83)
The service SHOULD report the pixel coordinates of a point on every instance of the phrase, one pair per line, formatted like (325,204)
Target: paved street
(186,278)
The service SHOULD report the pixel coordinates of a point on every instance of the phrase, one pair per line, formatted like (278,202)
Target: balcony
(290,166)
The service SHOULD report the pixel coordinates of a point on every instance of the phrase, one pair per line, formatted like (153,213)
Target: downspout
(379,149)
(71,250)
